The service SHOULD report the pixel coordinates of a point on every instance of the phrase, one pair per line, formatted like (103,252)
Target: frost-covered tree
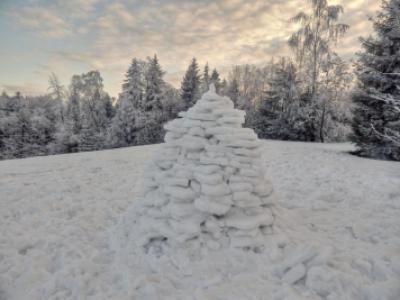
(207,185)
(190,87)
(224,87)
(95,106)
(133,86)
(313,40)
(333,104)
(312,44)
(74,112)
(154,85)
(233,92)
(281,114)
(88,116)
(205,82)
(28,126)
(376,122)
(152,119)
(124,128)
(214,79)
(57,93)
(68,134)
(172,103)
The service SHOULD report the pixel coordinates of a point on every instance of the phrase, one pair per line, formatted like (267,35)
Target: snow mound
(207,182)
(337,219)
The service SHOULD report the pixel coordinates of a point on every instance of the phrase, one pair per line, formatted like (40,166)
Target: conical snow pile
(207,183)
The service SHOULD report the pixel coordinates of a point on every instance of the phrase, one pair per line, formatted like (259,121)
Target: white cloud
(43,21)
(222,32)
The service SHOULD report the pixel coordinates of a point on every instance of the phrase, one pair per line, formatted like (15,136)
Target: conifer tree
(74,112)
(190,88)
(154,85)
(152,118)
(376,123)
(124,128)
(205,79)
(279,115)
(215,80)
(133,86)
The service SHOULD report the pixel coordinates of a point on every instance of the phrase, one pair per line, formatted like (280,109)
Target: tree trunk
(322,124)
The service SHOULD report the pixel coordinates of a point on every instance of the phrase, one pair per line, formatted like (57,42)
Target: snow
(196,154)
(64,224)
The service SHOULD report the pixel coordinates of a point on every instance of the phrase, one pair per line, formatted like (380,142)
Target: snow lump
(207,183)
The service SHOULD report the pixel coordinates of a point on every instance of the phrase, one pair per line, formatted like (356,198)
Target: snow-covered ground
(64,231)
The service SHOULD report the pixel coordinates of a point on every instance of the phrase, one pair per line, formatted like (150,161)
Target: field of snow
(64,231)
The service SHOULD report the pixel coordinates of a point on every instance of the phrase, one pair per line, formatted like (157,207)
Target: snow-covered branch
(392,136)
(390,100)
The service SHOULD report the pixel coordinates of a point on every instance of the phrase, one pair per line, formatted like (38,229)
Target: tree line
(312,95)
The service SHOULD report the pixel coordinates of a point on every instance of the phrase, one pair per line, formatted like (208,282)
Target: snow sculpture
(207,183)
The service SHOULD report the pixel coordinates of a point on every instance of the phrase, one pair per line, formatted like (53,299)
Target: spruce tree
(151,120)
(190,88)
(216,80)
(205,79)
(132,89)
(124,128)
(74,112)
(154,85)
(376,123)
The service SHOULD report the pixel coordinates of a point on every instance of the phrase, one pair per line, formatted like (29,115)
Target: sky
(70,37)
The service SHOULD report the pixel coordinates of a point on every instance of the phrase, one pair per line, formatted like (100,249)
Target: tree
(124,127)
(154,85)
(74,112)
(57,93)
(312,45)
(312,42)
(133,86)
(376,123)
(190,87)
(224,87)
(29,128)
(172,103)
(215,80)
(95,105)
(152,119)
(332,106)
(233,92)
(280,114)
(68,133)
(123,130)
(205,79)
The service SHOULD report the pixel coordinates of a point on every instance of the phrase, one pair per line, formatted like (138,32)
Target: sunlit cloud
(106,35)
(44,22)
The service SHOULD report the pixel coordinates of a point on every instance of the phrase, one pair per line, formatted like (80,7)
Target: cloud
(43,21)
(56,19)
(222,32)
(25,89)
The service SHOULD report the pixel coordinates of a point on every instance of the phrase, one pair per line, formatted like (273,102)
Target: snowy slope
(337,233)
